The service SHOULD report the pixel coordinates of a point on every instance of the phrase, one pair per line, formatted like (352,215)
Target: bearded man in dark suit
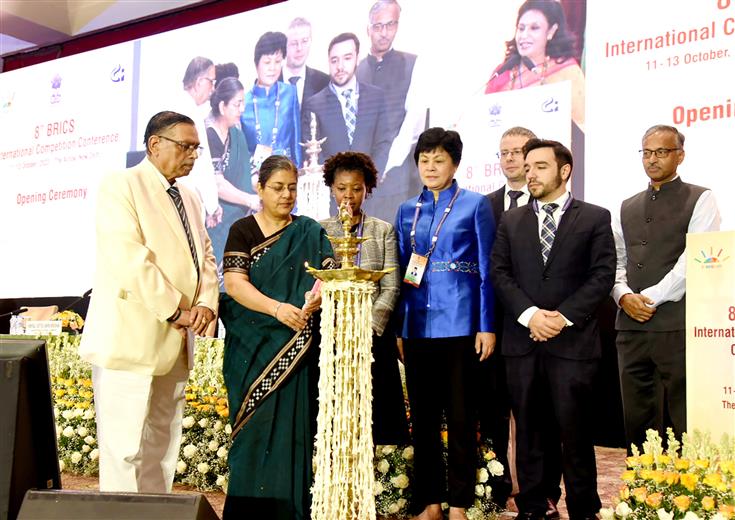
(553,263)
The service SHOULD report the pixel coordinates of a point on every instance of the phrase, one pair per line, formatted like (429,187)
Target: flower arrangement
(698,483)
(393,464)
(70,321)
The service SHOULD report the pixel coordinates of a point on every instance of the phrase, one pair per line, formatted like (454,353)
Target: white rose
(383,466)
(394,508)
(220,480)
(691,516)
(607,513)
(56,412)
(180,466)
(408,453)
(67,414)
(88,414)
(228,429)
(623,510)
(718,516)
(480,490)
(94,454)
(203,468)
(188,422)
(401,503)
(664,515)
(222,452)
(213,445)
(82,431)
(488,491)
(495,467)
(217,426)
(90,440)
(387,450)
(377,488)
(68,432)
(76,457)
(482,475)
(400,481)
(204,422)
(62,466)
(189,451)
(78,412)
(86,448)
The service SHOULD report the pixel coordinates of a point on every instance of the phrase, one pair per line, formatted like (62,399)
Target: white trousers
(139,427)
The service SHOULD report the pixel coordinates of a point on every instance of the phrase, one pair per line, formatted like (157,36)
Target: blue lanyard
(438,228)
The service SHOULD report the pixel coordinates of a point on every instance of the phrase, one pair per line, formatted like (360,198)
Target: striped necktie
(548,230)
(514,196)
(350,114)
(173,192)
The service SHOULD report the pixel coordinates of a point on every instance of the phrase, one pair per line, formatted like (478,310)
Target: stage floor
(610,464)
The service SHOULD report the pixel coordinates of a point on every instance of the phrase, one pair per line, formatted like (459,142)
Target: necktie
(514,196)
(350,114)
(173,192)
(548,230)
(294,79)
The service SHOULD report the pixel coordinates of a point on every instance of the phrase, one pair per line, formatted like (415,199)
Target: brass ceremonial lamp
(345,249)
(344,468)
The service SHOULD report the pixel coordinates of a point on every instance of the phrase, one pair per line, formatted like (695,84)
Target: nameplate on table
(43,327)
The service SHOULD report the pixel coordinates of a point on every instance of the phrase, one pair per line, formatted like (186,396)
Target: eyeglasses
(185,147)
(284,188)
(516,152)
(378,27)
(660,153)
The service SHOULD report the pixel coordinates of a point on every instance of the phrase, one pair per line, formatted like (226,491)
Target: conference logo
(117,75)
(711,260)
(6,101)
(550,105)
(56,89)
(494,115)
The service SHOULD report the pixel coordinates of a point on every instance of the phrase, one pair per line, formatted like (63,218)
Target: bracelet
(275,311)
(175,316)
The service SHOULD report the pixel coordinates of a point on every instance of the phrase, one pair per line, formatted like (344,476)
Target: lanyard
(438,227)
(565,207)
(258,133)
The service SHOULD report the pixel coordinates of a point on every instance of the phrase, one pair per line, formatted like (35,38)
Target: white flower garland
(344,471)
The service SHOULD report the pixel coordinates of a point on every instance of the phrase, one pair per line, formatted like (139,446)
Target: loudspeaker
(84,505)
(28,456)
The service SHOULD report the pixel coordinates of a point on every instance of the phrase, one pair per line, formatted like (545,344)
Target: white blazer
(144,273)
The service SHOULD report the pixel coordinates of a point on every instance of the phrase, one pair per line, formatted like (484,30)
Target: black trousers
(390,424)
(551,394)
(652,367)
(493,411)
(439,379)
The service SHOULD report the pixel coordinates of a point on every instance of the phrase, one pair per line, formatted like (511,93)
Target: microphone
(19,310)
(528,62)
(82,297)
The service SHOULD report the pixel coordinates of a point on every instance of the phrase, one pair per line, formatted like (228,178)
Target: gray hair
(380,5)
(519,131)
(299,21)
(668,129)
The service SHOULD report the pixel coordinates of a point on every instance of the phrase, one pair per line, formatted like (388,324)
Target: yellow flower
(632,461)
(727,466)
(664,459)
(682,502)
(712,479)
(646,459)
(702,463)
(646,474)
(727,510)
(639,494)
(682,464)
(624,493)
(654,500)
(72,391)
(489,455)
(628,476)
(708,503)
(689,480)
(657,476)
(672,477)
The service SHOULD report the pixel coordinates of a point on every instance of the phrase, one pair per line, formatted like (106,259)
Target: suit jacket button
(644,242)
(545,278)
(649,220)
(639,265)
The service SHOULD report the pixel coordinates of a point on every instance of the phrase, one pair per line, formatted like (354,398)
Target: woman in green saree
(270,350)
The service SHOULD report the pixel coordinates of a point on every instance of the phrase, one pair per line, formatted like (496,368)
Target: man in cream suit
(155,286)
